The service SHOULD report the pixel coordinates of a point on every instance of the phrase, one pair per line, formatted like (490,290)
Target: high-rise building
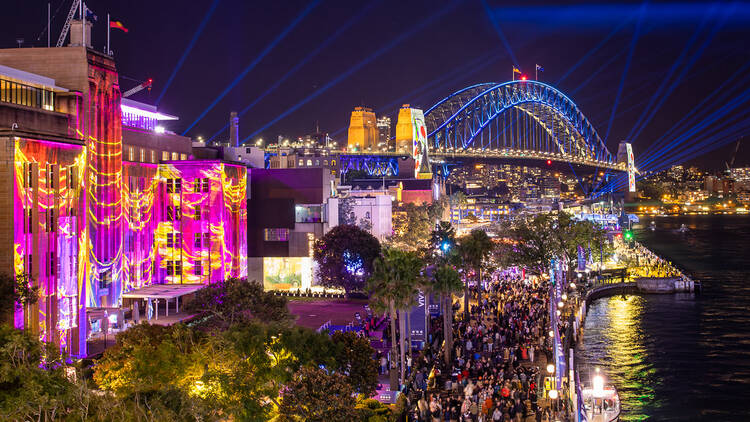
(101,202)
(411,138)
(363,131)
(384,134)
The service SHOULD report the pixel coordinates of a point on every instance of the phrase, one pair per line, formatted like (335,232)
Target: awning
(163,291)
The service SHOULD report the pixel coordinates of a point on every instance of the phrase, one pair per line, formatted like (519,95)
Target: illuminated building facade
(363,131)
(99,200)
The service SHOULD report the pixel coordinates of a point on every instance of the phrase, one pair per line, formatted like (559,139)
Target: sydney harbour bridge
(523,122)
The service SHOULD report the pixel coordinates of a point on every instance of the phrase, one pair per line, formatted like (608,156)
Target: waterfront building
(363,131)
(100,200)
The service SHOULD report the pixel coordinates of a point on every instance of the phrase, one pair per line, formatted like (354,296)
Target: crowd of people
(494,371)
(644,263)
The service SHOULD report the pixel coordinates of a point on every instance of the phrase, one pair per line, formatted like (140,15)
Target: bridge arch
(526,117)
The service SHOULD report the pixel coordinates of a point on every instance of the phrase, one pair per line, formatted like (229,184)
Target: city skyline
(360,55)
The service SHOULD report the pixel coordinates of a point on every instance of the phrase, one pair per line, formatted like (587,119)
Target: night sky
(388,52)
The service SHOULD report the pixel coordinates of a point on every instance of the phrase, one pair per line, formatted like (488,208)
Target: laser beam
(255,62)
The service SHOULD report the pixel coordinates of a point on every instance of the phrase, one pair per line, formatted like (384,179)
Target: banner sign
(581,259)
(631,168)
(417,318)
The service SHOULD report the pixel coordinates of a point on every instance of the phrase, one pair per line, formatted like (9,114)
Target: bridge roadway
(441,156)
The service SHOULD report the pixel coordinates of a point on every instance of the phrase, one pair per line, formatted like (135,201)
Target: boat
(683,229)
(601,403)
(653,226)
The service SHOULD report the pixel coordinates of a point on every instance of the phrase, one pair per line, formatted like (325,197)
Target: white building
(372,212)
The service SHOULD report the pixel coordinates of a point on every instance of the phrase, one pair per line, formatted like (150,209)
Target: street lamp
(550,368)
(553,394)
(573,286)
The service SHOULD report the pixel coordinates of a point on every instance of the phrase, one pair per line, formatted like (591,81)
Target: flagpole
(48,20)
(83,20)
(108,50)
(514,73)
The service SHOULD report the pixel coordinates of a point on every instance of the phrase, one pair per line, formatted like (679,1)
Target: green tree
(393,287)
(345,257)
(16,293)
(446,281)
(534,241)
(316,396)
(473,250)
(354,358)
(413,224)
(230,301)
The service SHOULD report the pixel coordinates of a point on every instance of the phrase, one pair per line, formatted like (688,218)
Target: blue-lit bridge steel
(512,121)
(518,119)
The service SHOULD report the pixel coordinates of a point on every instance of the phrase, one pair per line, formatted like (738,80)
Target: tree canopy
(345,257)
(534,241)
(234,300)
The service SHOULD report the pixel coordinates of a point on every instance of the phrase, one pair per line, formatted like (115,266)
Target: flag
(90,16)
(539,68)
(118,25)
(516,70)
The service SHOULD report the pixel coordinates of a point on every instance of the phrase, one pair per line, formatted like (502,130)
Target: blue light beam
(301,63)
(625,71)
(255,62)
(190,45)
(357,67)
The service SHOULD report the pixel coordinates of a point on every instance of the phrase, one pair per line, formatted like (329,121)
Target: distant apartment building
(384,134)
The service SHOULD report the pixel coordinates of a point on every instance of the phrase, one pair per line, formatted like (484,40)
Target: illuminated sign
(631,168)
(419,138)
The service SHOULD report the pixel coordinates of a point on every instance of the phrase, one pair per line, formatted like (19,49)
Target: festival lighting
(412,30)
(690,62)
(633,42)
(595,49)
(341,29)
(185,53)
(550,368)
(499,31)
(524,77)
(254,63)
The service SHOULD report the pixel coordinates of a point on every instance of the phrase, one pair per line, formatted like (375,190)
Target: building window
(247,150)
(165,155)
(207,240)
(205,185)
(52,263)
(153,156)
(142,152)
(183,157)
(174,156)
(197,267)
(197,212)
(174,185)
(309,163)
(301,163)
(170,268)
(196,186)
(197,241)
(131,153)
(276,235)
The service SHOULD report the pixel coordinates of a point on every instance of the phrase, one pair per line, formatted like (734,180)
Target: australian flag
(90,16)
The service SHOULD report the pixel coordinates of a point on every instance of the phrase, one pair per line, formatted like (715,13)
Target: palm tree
(472,250)
(447,281)
(393,287)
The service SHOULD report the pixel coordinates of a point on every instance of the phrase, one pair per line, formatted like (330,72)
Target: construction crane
(145,85)
(730,164)
(66,27)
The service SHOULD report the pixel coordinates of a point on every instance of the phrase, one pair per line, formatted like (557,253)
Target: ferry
(683,229)
(653,226)
(601,403)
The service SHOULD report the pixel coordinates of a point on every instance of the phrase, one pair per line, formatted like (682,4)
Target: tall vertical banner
(419,139)
(631,168)
(581,259)
(417,319)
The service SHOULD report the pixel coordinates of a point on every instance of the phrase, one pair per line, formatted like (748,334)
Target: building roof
(142,109)
(31,78)
(163,291)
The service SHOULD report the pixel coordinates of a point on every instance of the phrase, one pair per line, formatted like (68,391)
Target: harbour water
(681,357)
